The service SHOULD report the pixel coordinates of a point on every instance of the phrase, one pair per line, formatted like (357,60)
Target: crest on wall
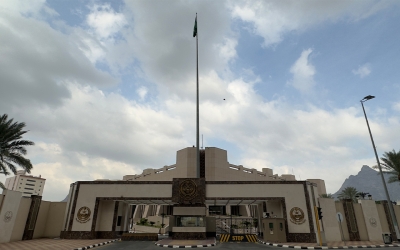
(372,221)
(297,216)
(83,215)
(7,216)
(188,191)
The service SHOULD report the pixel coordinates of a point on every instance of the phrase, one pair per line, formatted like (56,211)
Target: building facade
(27,184)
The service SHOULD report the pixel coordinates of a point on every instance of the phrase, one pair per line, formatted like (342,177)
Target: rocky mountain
(369,181)
(65,199)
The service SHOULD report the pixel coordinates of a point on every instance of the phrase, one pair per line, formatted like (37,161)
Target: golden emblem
(83,215)
(188,189)
(297,216)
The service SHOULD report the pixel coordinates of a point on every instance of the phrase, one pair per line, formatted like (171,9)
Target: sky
(108,88)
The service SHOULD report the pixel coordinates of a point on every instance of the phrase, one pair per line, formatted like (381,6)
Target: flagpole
(197,102)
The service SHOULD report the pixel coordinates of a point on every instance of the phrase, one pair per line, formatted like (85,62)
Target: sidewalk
(332,245)
(59,244)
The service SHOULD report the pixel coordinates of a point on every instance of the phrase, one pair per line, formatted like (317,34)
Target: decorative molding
(115,215)
(32,217)
(351,220)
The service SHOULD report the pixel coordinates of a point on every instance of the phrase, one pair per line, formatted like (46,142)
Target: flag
(195,27)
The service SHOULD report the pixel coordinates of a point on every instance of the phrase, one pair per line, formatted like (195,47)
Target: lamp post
(390,205)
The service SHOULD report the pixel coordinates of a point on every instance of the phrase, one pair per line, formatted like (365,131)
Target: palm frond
(12,146)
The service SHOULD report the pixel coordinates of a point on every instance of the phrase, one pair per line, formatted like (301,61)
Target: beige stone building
(27,184)
(230,201)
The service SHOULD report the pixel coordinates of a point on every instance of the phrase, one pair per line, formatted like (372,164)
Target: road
(148,245)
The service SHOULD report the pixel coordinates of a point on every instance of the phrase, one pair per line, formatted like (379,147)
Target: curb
(96,245)
(339,247)
(189,246)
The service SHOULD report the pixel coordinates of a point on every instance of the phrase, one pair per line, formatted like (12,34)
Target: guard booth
(274,230)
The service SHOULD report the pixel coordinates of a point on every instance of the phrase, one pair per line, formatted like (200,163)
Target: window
(27,193)
(217,210)
(29,188)
(183,221)
(31,180)
(30,184)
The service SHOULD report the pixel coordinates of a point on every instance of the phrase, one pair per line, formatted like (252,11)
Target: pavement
(59,244)
(332,245)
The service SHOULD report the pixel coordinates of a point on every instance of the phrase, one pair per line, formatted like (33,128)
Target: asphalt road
(119,245)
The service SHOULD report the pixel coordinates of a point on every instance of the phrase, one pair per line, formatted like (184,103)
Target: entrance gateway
(226,200)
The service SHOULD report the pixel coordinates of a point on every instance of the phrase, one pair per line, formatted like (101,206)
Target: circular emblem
(373,222)
(7,216)
(297,216)
(83,215)
(188,189)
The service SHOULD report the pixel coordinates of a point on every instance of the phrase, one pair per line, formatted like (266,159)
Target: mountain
(369,181)
(65,199)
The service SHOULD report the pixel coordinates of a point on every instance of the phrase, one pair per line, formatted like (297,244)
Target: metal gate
(237,229)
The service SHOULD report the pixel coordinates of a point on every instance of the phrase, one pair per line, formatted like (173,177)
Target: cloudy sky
(108,88)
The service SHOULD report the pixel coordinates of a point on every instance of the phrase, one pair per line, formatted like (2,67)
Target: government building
(228,202)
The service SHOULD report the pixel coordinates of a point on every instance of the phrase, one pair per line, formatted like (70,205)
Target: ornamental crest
(83,215)
(7,216)
(297,216)
(188,189)
(372,221)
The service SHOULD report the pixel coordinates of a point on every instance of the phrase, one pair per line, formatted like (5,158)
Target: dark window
(235,210)
(216,210)
(169,210)
(31,180)
(27,193)
(30,184)
(119,219)
(29,188)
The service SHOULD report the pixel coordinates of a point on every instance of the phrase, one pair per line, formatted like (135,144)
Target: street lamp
(392,215)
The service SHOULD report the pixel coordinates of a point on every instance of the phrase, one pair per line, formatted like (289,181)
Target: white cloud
(362,71)
(273,19)
(37,73)
(142,92)
(105,21)
(84,132)
(303,73)
(396,106)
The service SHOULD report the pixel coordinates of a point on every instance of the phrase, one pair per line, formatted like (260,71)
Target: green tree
(348,193)
(326,196)
(390,163)
(12,147)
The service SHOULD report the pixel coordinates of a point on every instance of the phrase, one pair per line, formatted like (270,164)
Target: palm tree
(348,193)
(12,148)
(325,196)
(391,164)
